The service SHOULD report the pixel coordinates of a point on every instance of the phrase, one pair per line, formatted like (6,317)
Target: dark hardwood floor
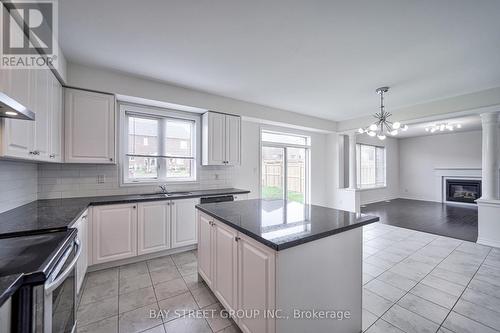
(455,221)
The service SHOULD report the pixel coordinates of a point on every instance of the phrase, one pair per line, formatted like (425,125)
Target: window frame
(126,109)
(358,167)
(284,146)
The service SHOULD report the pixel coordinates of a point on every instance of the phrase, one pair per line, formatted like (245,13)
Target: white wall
(77,180)
(18,184)
(119,83)
(391,191)
(419,157)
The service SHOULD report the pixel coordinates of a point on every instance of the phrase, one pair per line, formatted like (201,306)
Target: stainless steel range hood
(9,108)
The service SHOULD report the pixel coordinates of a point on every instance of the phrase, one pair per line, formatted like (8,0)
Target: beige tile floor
(412,282)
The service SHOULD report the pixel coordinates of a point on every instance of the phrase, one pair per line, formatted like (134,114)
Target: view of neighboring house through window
(159,149)
(370,166)
(285,163)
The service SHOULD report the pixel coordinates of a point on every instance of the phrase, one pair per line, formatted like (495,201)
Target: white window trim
(375,187)
(149,111)
(308,146)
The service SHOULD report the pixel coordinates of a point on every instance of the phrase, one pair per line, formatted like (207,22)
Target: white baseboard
(488,242)
(140,258)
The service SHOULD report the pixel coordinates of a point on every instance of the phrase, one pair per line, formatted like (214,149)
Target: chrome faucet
(163,188)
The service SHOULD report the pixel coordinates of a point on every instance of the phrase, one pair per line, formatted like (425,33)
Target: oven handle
(49,287)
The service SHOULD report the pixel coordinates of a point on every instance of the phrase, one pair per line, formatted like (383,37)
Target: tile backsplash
(81,180)
(18,184)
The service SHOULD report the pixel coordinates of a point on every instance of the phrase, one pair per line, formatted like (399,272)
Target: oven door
(55,310)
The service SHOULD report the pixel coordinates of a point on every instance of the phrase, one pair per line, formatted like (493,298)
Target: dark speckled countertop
(60,214)
(280,224)
(42,216)
(8,285)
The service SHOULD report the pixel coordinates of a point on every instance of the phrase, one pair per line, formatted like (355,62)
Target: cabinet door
(233,140)
(225,253)
(89,127)
(184,222)
(256,284)
(205,247)
(56,125)
(42,119)
(114,231)
(215,140)
(17,135)
(153,227)
(81,267)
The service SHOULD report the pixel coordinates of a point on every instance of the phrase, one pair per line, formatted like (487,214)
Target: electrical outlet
(100,179)
(216,176)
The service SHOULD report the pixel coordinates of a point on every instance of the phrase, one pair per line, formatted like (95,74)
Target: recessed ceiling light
(11,113)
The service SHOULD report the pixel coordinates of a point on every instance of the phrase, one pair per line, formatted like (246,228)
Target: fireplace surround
(463,190)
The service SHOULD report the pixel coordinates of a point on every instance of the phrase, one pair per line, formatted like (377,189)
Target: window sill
(363,189)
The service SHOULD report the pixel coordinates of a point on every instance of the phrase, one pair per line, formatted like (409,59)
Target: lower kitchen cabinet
(114,232)
(240,271)
(153,232)
(205,235)
(81,267)
(256,284)
(225,254)
(128,230)
(184,222)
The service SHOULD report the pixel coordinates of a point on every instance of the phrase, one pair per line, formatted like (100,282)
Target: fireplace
(463,190)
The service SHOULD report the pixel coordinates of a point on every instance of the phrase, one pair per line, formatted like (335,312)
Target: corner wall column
(490,178)
(353,182)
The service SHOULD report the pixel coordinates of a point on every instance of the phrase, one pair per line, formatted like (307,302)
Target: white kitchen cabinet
(184,225)
(56,120)
(17,135)
(205,234)
(256,284)
(221,139)
(42,96)
(239,270)
(225,273)
(233,140)
(82,225)
(153,231)
(89,127)
(39,140)
(114,232)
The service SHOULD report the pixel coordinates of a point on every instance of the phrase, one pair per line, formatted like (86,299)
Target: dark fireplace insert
(463,190)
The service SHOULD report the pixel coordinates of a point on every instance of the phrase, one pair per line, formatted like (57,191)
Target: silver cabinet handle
(237,238)
(52,155)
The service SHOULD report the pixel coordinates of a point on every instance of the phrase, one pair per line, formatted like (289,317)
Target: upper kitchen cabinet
(221,139)
(89,127)
(38,140)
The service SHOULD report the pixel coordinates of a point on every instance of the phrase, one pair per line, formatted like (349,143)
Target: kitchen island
(283,267)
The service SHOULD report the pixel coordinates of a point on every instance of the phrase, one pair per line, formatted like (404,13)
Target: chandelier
(382,126)
(442,127)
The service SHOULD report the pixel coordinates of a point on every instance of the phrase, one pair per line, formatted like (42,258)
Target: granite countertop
(60,214)
(280,224)
(8,286)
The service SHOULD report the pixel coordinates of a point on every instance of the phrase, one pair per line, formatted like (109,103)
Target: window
(284,166)
(158,147)
(370,166)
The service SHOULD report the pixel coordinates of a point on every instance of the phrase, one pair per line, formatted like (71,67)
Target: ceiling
(468,123)
(320,58)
